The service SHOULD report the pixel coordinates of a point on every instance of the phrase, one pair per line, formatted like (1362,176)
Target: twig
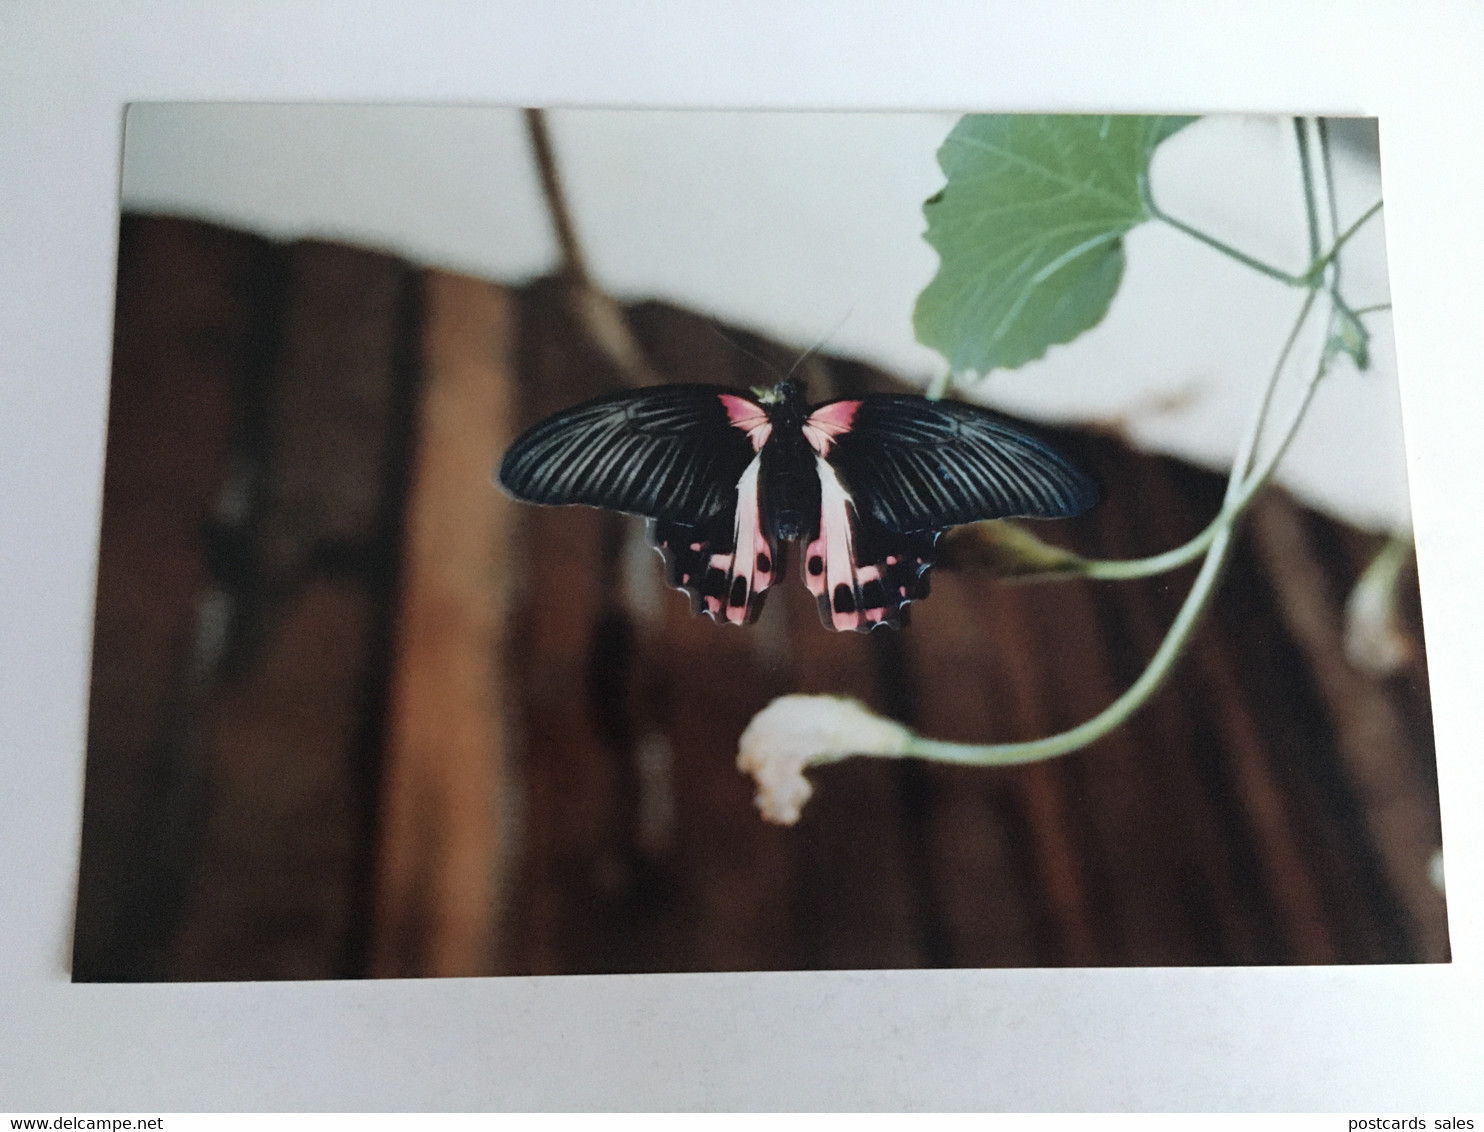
(574,266)
(600,315)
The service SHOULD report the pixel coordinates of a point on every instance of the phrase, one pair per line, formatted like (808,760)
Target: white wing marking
(749,556)
(837,585)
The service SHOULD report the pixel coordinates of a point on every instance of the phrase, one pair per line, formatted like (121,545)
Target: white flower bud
(796,732)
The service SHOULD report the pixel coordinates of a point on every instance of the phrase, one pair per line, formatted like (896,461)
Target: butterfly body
(865,485)
(786,474)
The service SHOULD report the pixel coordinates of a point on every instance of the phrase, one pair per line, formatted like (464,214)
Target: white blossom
(796,732)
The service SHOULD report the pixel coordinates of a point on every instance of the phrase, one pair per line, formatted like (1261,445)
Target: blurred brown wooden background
(355,713)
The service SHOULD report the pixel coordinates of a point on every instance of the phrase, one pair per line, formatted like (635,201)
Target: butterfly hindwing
(861,574)
(726,567)
(919,465)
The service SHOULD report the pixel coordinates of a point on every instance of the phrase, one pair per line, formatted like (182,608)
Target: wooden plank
(275,893)
(441,825)
(1197,855)
(1000,903)
(193,308)
(1046,690)
(572,903)
(338,413)
(723,871)
(1370,734)
(982,659)
(294,726)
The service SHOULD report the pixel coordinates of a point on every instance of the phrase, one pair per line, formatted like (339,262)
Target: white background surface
(1338,1038)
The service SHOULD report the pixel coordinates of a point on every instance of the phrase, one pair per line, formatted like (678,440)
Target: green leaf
(1029,229)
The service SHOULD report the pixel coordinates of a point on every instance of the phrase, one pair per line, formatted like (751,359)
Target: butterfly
(866,484)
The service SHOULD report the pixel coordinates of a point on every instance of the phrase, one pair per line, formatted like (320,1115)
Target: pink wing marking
(830,569)
(750,418)
(749,569)
(828,422)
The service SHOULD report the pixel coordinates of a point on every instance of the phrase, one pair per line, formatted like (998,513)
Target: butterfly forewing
(919,465)
(671,452)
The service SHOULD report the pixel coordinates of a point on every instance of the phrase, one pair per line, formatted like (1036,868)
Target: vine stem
(1321,132)
(1317,269)
(1306,169)
(1224,248)
(1247,478)
(1111,717)
(1320,267)
(1318,264)
(1242,485)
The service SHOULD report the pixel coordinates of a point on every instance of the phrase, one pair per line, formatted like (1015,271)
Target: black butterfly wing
(895,471)
(670,452)
(920,465)
(684,456)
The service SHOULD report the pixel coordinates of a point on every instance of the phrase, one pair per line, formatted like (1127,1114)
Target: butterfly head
(786,390)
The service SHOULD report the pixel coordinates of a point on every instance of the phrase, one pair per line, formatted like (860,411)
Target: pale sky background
(807,225)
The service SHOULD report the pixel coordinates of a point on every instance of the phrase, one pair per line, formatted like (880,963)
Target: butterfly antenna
(729,340)
(814,349)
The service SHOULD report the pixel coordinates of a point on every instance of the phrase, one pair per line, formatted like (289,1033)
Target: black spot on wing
(920,465)
(714,583)
(688,551)
(901,563)
(668,453)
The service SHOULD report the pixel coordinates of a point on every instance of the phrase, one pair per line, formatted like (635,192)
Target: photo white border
(1339,1038)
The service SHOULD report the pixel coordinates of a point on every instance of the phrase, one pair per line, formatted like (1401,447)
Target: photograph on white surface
(1066,451)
